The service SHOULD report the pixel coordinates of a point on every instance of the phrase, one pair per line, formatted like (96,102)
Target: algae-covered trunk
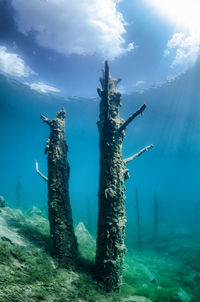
(59,209)
(113,172)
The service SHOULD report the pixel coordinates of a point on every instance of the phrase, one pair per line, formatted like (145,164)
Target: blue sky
(59,46)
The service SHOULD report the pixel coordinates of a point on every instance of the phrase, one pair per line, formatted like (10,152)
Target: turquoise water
(171,122)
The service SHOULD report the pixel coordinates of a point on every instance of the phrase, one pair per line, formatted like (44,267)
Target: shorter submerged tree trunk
(59,209)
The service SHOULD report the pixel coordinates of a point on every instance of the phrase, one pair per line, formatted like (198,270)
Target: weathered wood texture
(59,208)
(113,172)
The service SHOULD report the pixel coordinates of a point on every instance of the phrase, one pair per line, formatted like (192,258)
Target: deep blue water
(171,122)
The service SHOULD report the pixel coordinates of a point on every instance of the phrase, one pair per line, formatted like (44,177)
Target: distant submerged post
(155,201)
(18,194)
(59,208)
(112,176)
(89,216)
(138,221)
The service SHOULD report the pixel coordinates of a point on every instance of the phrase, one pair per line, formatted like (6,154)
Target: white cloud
(12,64)
(138,83)
(184,14)
(187,47)
(74,27)
(41,87)
(180,12)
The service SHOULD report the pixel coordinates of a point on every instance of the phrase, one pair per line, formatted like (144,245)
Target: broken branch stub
(131,118)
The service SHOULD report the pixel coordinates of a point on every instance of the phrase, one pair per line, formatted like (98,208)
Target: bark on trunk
(111,216)
(113,172)
(59,209)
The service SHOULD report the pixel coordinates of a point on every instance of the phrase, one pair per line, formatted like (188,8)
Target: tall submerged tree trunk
(113,172)
(59,208)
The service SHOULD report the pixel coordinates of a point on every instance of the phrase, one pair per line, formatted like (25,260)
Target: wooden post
(155,216)
(18,194)
(112,175)
(89,216)
(59,208)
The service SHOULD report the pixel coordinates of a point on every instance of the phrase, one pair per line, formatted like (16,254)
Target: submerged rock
(7,234)
(138,299)
(6,239)
(183,296)
(174,245)
(13,215)
(83,236)
(181,245)
(34,211)
(86,243)
(2,202)
(149,275)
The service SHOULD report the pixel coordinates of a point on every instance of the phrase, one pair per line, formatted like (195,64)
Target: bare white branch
(138,154)
(37,170)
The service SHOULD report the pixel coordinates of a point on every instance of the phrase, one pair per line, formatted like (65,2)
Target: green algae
(29,273)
